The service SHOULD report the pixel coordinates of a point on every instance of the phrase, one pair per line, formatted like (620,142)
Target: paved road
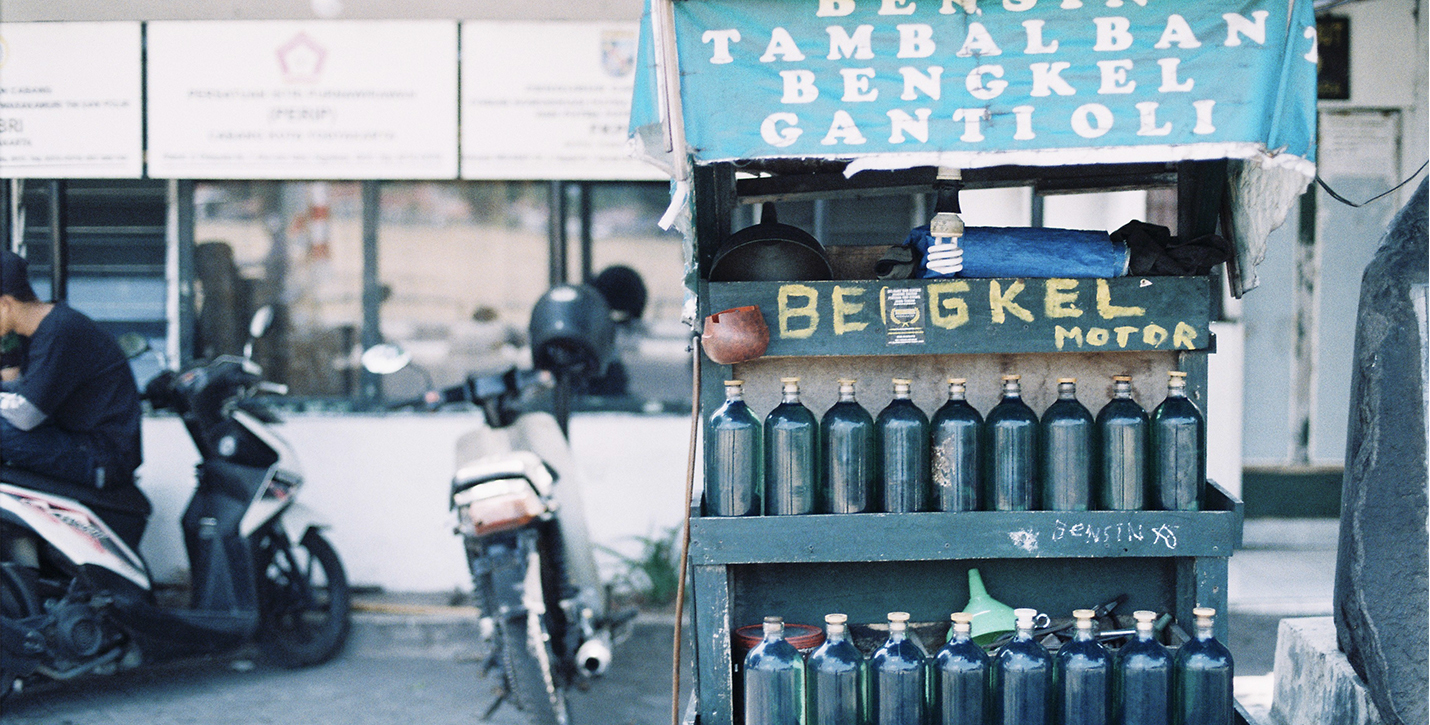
(363,686)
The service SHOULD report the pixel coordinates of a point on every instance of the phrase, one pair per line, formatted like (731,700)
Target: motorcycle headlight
(498,505)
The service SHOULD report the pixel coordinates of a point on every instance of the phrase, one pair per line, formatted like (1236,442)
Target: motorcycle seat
(123,499)
(515,464)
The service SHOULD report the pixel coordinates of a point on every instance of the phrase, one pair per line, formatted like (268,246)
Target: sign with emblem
(548,100)
(70,100)
(303,99)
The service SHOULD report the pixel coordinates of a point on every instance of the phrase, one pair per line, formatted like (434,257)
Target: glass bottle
(851,455)
(1066,433)
(961,675)
(1023,677)
(1122,430)
(774,679)
(904,449)
(838,677)
(1083,675)
(898,677)
(1179,445)
(791,454)
(1012,440)
(1204,672)
(733,466)
(957,437)
(1143,683)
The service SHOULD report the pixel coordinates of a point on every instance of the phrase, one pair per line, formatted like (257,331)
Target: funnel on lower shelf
(991,617)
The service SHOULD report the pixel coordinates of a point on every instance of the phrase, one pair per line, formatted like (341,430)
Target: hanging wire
(1391,190)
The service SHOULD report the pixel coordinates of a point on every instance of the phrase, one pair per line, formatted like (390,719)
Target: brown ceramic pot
(735,335)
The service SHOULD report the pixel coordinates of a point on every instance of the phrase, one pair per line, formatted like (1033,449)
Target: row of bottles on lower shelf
(1140,683)
(849,462)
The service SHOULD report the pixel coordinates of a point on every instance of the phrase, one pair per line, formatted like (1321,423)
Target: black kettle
(770,252)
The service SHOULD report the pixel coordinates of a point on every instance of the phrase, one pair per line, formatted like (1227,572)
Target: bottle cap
(1012,378)
(902,381)
(1144,617)
(1025,616)
(958,381)
(848,381)
(789,381)
(962,617)
(898,617)
(1203,612)
(1062,381)
(836,618)
(733,383)
(1175,374)
(1084,613)
(1121,378)
(774,620)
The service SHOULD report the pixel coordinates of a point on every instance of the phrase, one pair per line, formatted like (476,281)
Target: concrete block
(1314,682)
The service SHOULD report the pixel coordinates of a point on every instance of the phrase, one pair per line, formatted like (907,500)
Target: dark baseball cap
(15,276)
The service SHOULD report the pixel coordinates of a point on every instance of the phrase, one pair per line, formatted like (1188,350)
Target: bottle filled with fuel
(1012,441)
(1122,430)
(1203,676)
(1142,685)
(791,454)
(1179,445)
(904,448)
(851,456)
(1022,683)
(960,672)
(774,679)
(733,463)
(898,677)
(838,677)
(955,448)
(1082,674)
(1066,437)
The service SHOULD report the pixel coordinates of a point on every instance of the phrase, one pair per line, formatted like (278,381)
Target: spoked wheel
(305,600)
(527,657)
(17,601)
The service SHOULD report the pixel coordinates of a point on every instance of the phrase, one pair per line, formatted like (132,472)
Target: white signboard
(303,99)
(548,100)
(70,100)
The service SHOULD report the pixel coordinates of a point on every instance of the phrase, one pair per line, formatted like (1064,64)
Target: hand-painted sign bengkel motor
(896,83)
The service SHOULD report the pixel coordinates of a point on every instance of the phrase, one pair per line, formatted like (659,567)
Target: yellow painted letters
(946,310)
(807,311)
(1061,333)
(999,302)
(843,309)
(1183,336)
(1061,298)
(1109,310)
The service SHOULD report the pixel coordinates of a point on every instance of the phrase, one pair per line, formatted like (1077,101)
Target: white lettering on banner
(781,46)
(1112,34)
(856,85)
(897,7)
(930,85)
(989,90)
(842,128)
(1179,32)
(1019,6)
(900,122)
(1083,117)
(972,123)
(1023,116)
(1238,25)
(835,8)
(978,42)
(1071,4)
(1114,76)
(915,40)
(1035,39)
(1148,110)
(799,86)
(843,45)
(1313,54)
(1204,117)
(1046,79)
(780,137)
(722,39)
(1170,84)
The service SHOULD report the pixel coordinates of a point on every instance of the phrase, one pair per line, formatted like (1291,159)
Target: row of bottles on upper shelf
(851,463)
(1141,683)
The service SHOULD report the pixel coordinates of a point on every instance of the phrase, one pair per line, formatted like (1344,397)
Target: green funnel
(991,617)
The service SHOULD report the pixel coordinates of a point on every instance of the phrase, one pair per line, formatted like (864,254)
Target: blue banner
(970,83)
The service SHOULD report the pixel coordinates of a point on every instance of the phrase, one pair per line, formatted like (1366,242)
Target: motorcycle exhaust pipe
(594,655)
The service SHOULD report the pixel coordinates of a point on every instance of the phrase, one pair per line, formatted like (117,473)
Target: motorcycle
(519,512)
(77,598)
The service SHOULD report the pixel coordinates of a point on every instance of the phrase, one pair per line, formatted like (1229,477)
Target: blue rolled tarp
(1028,252)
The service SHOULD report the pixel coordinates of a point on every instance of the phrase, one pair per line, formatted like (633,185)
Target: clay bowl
(735,335)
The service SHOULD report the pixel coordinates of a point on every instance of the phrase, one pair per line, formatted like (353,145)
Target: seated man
(69,410)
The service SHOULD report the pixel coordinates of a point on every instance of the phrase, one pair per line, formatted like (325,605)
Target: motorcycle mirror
(262,318)
(133,344)
(385,359)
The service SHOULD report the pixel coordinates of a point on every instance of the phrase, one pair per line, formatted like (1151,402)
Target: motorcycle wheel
(527,657)
(305,600)
(17,601)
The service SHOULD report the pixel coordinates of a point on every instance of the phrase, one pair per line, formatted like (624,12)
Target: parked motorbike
(519,512)
(77,598)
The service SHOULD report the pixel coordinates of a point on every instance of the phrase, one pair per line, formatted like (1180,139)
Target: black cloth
(1153,251)
(78,377)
